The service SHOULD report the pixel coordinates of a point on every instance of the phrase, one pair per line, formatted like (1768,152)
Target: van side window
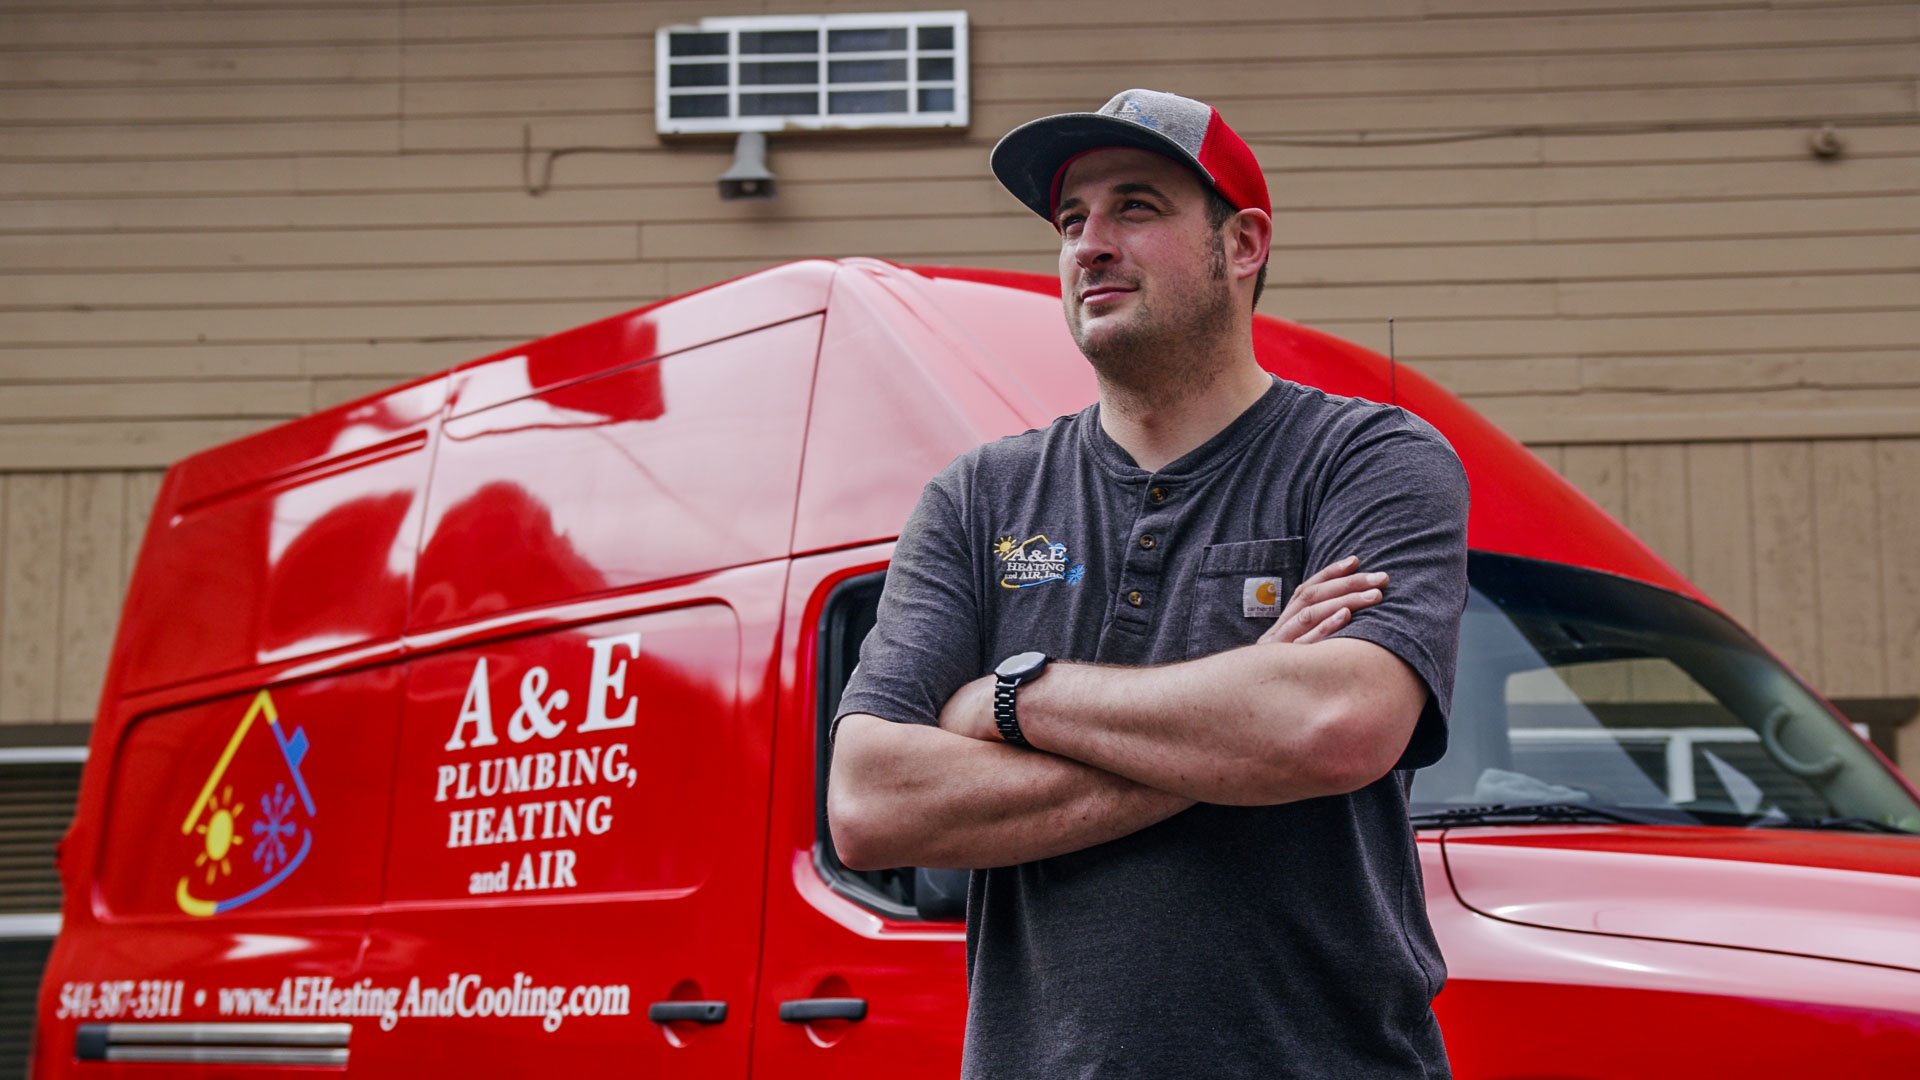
(901,893)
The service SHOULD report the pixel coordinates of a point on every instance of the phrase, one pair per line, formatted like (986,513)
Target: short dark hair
(1218,211)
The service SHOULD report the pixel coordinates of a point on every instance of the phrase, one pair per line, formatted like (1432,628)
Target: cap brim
(1026,159)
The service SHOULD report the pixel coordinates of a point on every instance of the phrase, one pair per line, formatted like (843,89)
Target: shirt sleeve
(1398,499)
(926,639)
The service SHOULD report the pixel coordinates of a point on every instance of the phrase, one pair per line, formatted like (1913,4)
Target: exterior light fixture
(748,177)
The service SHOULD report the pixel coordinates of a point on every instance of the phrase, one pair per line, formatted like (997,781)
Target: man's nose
(1094,247)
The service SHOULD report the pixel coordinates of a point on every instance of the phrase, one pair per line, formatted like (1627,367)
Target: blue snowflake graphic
(272,829)
(1075,573)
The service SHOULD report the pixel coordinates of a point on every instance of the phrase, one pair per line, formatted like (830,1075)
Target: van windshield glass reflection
(1580,689)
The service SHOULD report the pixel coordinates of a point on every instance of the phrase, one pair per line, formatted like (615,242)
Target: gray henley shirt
(1259,942)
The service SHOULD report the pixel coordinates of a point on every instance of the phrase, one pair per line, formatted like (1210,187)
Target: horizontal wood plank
(413,322)
(125,444)
(1613,418)
(1750,370)
(1315,76)
(194,63)
(278,398)
(313,101)
(1227,40)
(153,30)
(1548,374)
(1728,218)
(1758,294)
(363,285)
(536,243)
(123,142)
(1650,334)
(680,204)
(1596,260)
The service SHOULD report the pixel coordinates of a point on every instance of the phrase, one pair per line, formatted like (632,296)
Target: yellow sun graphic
(221,835)
(1004,546)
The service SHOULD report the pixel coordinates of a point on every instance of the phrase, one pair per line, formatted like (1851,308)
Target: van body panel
(538,500)
(233,855)
(656,725)
(243,558)
(820,943)
(1850,897)
(1014,344)
(891,408)
(339,434)
(267,803)
(590,741)
(1529,1001)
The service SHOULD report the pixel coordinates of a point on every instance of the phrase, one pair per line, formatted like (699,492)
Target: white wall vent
(812,72)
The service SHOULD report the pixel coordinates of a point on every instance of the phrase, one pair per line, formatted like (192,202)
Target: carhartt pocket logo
(1260,598)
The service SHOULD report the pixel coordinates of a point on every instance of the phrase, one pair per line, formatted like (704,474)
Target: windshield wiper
(1547,813)
(1837,824)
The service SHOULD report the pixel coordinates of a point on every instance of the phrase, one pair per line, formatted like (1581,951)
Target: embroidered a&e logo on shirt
(1034,561)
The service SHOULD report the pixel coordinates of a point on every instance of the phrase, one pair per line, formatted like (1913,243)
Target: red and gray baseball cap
(1032,158)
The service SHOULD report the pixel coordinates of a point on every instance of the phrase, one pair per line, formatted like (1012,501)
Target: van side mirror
(940,895)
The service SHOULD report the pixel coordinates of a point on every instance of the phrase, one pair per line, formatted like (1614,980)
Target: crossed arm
(1122,748)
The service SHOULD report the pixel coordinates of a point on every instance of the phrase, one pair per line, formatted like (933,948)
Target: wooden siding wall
(67,543)
(1596,219)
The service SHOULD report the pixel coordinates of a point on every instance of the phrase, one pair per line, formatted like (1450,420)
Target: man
(1187,818)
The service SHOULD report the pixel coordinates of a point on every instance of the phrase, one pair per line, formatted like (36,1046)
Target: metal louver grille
(36,803)
(21,961)
(813,73)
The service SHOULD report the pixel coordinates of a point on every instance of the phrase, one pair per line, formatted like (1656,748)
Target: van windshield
(1581,691)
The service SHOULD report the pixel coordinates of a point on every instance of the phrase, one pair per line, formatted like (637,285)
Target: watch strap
(1004,717)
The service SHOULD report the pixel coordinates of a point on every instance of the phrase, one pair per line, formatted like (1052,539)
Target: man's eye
(1071,220)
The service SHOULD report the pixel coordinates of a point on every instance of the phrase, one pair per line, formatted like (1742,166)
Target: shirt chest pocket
(1239,589)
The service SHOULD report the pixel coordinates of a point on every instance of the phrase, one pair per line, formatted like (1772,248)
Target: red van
(473,728)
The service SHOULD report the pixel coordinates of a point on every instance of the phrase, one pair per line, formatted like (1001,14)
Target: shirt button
(1147,542)
(1135,598)
(1158,494)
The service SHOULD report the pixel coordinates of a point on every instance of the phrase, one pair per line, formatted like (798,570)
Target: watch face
(1020,665)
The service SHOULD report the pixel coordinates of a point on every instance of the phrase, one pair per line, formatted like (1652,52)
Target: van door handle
(700,1012)
(807,1010)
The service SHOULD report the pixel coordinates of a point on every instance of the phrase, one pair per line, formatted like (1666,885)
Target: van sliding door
(576,863)
(864,973)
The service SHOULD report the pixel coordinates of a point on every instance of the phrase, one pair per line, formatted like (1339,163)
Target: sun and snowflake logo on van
(251,827)
(1034,561)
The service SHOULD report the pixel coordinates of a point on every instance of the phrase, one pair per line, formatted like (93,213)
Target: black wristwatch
(1012,673)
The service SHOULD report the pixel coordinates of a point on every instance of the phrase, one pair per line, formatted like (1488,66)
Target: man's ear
(1249,237)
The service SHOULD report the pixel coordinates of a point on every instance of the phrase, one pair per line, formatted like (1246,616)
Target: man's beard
(1156,356)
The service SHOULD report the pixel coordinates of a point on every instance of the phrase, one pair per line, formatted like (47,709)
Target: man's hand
(1321,605)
